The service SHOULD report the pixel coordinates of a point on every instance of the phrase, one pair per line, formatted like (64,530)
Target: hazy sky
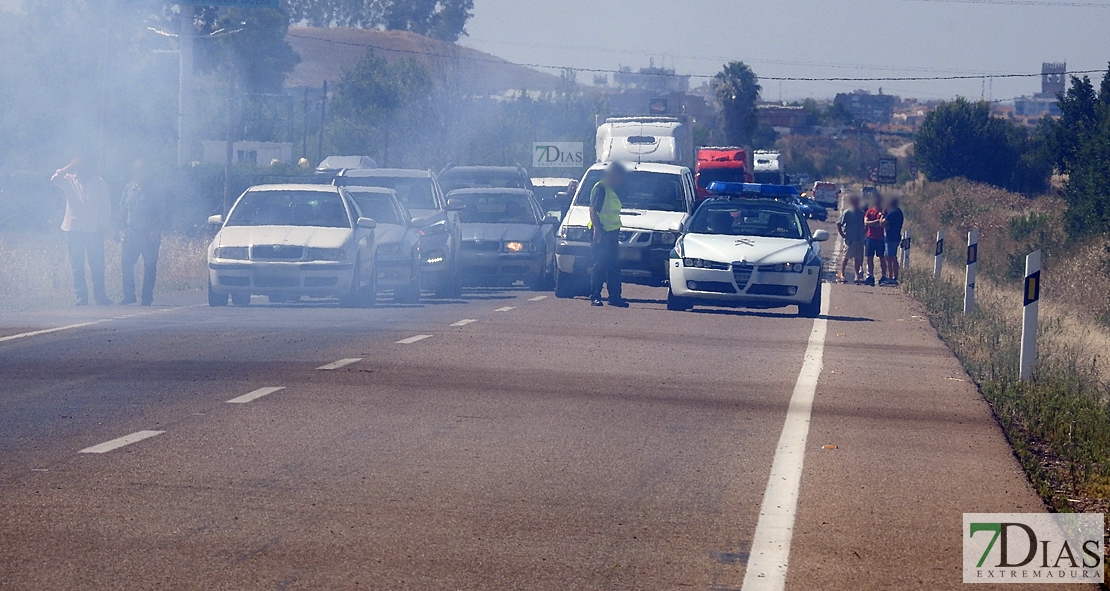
(808,38)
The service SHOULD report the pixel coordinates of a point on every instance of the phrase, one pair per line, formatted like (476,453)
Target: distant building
(781,117)
(867,107)
(1053,82)
(657,80)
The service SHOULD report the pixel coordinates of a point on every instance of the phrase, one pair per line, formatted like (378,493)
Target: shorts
(876,246)
(855,251)
(892,248)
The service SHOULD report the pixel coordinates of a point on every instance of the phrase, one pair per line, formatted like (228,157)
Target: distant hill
(327,52)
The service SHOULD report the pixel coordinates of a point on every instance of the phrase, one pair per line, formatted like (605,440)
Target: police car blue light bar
(751,189)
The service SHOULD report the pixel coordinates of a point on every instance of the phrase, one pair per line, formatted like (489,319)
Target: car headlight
(514,246)
(782,268)
(327,254)
(237,253)
(575,233)
(704,264)
(664,238)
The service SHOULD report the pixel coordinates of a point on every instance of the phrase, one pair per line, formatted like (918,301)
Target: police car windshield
(643,190)
(739,218)
(290,208)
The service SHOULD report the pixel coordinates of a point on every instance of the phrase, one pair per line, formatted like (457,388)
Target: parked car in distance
(548,191)
(289,241)
(397,238)
(827,194)
(506,238)
(746,247)
(812,209)
(484,177)
(420,193)
(656,200)
(333,165)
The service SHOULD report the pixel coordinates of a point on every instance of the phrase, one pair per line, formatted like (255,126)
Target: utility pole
(185,38)
(229,147)
(323,121)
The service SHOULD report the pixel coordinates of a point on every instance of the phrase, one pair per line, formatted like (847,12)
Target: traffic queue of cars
(379,230)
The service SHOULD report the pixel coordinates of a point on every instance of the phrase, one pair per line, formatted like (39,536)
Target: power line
(503,62)
(1022,3)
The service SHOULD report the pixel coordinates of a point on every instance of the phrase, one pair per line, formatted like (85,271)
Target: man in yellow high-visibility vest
(605,219)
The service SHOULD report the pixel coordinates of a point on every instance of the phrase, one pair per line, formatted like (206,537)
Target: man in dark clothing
(605,219)
(142,212)
(892,227)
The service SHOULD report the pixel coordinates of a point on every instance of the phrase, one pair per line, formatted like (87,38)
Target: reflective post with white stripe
(1032,294)
(906,240)
(938,258)
(972,264)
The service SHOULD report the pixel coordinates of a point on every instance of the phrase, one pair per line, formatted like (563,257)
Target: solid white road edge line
(770,553)
(259,393)
(413,339)
(108,446)
(537,298)
(340,363)
(36,333)
(465,321)
(505,309)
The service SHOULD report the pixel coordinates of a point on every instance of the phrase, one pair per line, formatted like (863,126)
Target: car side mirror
(820,236)
(455,205)
(419,222)
(367,223)
(215,220)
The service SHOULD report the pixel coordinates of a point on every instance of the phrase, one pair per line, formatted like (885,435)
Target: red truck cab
(726,164)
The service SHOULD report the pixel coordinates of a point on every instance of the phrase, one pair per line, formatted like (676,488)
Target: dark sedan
(505,238)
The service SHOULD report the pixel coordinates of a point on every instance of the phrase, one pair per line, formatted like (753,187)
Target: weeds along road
(502,441)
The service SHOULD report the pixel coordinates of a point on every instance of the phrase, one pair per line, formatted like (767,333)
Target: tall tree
(249,42)
(1080,142)
(439,19)
(737,89)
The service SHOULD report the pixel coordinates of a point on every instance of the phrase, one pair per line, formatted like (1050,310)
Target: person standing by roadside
(893,219)
(87,218)
(853,232)
(605,220)
(142,211)
(876,245)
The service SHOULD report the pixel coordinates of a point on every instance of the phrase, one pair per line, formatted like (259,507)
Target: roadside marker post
(1032,296)
(972,265)
(906,241)
(938,258)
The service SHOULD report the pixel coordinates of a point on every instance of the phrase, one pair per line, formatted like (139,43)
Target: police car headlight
(704,264)
(664,238)
(575,233)
(788,268)
(235,253)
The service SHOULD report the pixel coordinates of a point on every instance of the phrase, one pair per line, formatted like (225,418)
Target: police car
(743,247)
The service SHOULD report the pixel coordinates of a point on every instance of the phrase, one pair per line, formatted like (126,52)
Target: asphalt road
(543,444)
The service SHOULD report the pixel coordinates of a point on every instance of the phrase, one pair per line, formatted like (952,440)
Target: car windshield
(413,192)
(290,208)
(482,180)
(493,208)
(746,219)
(725,175)
(643,190)
(376,206)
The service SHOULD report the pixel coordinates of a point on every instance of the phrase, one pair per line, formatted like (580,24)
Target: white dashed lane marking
(537,298)
(465,321)
(340,363)
(505,309)
(413,339)
(108,446)
(255,395)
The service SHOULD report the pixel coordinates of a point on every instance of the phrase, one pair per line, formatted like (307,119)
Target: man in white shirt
(87,218)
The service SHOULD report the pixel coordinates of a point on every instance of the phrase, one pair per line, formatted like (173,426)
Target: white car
(747,252)
(656,200)
(288,241)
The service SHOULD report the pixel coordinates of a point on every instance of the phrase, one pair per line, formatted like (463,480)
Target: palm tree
(737,89)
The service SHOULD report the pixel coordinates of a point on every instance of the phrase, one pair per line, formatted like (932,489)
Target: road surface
(505,440)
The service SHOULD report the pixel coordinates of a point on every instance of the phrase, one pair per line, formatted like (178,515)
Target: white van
(663,140)
(827,194)
(657,200)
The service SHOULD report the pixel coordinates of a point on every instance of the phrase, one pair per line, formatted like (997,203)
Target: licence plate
(630,255)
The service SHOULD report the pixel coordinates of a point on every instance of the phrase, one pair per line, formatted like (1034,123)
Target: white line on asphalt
(505,309)
(340,363)
(465,321)
(259,393)
(537,298)
(770,552)
(413,339)
(108,446)
(36,333)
